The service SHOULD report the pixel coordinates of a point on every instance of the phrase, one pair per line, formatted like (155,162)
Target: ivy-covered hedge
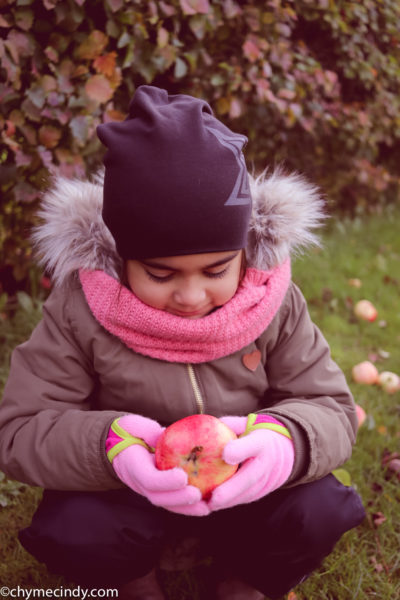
(313,83)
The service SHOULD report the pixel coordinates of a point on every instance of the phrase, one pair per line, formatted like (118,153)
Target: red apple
(361,415)
(364,309)
(195,444)
(357,283)
(365,372)
(390,382)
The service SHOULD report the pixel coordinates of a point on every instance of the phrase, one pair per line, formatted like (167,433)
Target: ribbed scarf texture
(164,336)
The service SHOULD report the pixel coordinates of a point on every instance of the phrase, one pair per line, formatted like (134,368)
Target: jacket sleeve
(309,392)
(50,435)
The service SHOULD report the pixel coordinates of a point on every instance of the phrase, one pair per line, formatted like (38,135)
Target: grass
(366,562)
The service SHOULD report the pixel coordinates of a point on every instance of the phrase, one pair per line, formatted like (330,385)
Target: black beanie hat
(175,182)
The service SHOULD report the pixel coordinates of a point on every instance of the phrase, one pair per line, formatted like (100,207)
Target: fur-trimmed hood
(286,211)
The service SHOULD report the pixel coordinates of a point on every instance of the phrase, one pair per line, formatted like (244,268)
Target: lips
(192,313)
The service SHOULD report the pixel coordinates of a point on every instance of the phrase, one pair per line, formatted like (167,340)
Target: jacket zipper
(196,388)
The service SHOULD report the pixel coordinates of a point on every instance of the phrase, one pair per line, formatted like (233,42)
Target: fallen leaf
(391,462)
(378,567)
(378,518)
(377,487)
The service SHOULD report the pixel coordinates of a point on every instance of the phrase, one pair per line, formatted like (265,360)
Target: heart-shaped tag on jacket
(252,360)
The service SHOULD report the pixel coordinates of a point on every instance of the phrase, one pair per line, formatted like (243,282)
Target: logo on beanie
(241,191)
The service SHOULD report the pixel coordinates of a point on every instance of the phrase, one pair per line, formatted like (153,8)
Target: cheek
(226,289)
(150,293)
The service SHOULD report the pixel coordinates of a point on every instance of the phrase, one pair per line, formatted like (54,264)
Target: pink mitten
(130,449)
(266,451)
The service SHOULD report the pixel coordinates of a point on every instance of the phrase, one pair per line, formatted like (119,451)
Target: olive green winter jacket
(72,378)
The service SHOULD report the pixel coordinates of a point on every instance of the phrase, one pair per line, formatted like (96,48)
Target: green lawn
(366,562)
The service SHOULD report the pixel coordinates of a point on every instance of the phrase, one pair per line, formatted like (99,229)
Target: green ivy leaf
(181,68)
(80,128)
(25,301)
(343,476)
(24,19)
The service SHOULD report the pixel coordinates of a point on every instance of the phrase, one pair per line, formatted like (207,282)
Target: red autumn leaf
(3,21)
(93,45)
(235,109)
(378,567)
(98,88)
(30,134)
(45,282)
(48,83)
(106,64)
(193,7)
(286,94)
(114,115)
(49,136)
(162,37)
(17,117)
(51,54)
(9,128)
(22,159)
(231,9)
(168,10)
(251,51)
(389,456)
(378,518)
(391,462)
(394,466)
(115,4)
(19,45)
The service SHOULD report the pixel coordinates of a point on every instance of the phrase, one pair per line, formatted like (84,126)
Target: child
(172,297)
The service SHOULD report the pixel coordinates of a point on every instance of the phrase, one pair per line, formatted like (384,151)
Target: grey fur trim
(72,236)
(286,210)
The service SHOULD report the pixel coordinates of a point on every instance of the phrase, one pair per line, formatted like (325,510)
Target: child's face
(188,286)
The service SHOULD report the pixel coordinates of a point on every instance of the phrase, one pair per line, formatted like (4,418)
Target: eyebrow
(217,263)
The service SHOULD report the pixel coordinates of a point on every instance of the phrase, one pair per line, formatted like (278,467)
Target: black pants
(105,539)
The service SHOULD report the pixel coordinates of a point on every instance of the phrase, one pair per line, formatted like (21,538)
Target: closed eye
(158,278)
(214,275)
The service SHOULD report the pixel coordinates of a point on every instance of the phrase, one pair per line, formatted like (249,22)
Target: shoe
(144,588)
(235,589)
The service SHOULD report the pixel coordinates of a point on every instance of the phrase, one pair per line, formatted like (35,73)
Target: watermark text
(78,593)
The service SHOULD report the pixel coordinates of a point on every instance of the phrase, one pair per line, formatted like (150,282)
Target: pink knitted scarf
(161,335)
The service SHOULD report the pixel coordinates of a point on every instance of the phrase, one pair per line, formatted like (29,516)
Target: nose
(190,294)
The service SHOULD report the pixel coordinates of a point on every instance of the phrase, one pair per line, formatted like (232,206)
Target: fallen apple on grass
(364,309)
(389,382)
(195,444)
(365,372)
(361,415)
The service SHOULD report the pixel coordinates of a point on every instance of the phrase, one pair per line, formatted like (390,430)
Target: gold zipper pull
(196,388)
